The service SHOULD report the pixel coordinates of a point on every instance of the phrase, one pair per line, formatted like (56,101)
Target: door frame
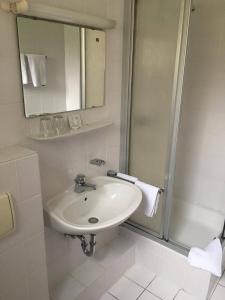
(128,56)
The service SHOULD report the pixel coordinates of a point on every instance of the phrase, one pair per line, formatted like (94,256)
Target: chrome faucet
(81,185)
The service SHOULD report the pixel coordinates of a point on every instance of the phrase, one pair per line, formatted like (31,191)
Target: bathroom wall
(22,253)
(200,170)
(61,160)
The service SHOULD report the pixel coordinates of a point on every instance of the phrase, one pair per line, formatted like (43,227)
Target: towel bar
(112,173)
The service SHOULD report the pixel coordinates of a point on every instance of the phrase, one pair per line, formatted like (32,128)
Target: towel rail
(112,173)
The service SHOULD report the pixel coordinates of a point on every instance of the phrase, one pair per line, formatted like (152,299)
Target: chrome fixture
(84,243)
(112,173)
(81,185)
(97,162)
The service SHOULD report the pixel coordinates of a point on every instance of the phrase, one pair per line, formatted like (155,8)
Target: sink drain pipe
(87,247)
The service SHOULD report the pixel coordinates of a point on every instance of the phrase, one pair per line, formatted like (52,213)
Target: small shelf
(70,133)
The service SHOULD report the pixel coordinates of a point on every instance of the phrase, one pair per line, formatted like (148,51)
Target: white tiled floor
(126,289)
(87,273)
(140,275)
(219,293)
(138,283)
(68,289)
(163,288)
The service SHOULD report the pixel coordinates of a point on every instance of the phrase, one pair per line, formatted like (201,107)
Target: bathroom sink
(89,212)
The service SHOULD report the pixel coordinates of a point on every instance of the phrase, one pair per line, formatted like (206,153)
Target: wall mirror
(62,66)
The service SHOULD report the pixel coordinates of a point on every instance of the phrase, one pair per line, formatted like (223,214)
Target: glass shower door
(155,48)
(198,207)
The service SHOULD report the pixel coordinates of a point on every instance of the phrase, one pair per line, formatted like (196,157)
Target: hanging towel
(37,66)
(127,177)
(150,200)
(209,259)
(24,70)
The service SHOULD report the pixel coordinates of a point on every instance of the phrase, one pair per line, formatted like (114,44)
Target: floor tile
(163,288)
(140,274)
(222,280)
(219,293)
(182,295)
(68,289)
(148,296)
(106,297)
(87,272)
(125,289)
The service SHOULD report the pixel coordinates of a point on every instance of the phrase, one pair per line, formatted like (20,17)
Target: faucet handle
(80,179)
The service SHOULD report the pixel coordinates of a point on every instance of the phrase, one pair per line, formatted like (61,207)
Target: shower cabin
(173,115)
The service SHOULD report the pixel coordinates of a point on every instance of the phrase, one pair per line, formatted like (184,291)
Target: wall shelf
(85,128)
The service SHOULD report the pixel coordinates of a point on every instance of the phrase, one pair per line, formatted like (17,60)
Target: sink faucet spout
(81,185)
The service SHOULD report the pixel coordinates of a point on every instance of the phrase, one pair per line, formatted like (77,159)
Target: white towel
(24,70)
(127,177)
(209,259)
(150,201)
(37,66)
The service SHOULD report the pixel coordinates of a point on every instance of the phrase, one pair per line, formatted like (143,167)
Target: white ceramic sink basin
(109,205)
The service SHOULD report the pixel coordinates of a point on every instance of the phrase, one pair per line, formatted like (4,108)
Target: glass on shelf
(59,124)
(46,128)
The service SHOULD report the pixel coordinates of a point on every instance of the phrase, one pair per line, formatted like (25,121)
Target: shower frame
(128,57)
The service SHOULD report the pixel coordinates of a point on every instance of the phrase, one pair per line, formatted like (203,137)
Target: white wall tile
(22,254)
(35,253)
(13,283)
(8,28)
(9,181)
(29,177)
(38,284)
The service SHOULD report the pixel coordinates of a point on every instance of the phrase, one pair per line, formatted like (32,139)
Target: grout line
(155,295)
(213,291)
(140,294)
(178,293)
(151,282)
(134,282)
(113,295)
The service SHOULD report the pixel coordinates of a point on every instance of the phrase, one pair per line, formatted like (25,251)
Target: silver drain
(93,220)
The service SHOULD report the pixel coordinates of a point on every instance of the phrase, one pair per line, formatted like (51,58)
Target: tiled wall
(22,254)
(200,176)
(61,160)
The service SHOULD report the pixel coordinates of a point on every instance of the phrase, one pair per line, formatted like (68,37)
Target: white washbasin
(109,205)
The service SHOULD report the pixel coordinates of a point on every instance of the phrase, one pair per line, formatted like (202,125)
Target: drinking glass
(59,124)
(45,126)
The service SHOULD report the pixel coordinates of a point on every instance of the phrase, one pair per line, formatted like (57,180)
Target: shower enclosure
(167,112)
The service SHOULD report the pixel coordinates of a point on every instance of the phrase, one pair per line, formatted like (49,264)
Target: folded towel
(24,70)
(127,177)
(37,66)
(209,259)
(150,201)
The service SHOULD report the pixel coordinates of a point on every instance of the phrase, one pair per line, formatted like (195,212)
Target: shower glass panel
(155,46)
(198,196)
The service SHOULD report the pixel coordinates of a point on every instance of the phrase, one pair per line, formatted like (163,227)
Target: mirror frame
(82,61)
